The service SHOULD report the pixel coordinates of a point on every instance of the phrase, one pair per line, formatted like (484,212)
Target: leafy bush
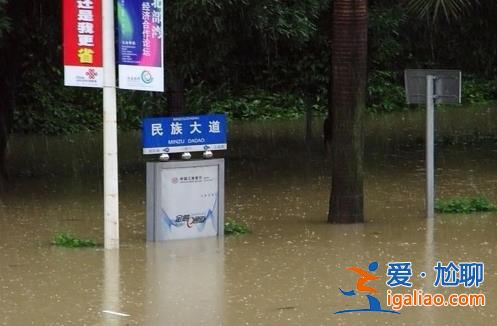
(69,241)
(464,205)
(280,47)
(260,107)
(385,92)
(478,90)
(54,109)
(256,105)
(235,228)
(385,36)
(5,22)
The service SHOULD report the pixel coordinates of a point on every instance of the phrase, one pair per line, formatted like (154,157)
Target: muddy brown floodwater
(288,271)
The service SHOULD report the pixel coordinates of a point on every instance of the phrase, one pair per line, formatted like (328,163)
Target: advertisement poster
(82,29)
(189,202)
(140,45)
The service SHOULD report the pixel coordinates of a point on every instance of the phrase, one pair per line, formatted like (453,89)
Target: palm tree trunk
(176,101)
(3,144)
(346,105)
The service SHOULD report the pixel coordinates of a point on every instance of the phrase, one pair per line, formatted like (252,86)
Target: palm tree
(344,125)
(346,105)
(432,9)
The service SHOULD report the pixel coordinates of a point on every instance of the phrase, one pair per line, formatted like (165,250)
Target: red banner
(82,34)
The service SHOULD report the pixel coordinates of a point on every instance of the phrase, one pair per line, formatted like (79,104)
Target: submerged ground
(288,271)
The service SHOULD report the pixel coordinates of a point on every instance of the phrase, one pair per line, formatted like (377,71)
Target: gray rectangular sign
(447,85)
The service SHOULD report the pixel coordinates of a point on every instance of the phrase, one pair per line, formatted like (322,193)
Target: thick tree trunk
(8,71)
(176,101)
(7,85)
(327,136)
(348,85)
(7,93)
(3,143)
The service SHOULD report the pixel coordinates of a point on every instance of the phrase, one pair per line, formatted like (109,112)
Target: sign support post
(111,186)
(430,86)
(89,61)
(430,147)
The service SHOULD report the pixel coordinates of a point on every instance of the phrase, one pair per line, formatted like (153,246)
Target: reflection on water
(286,272)
(185,283)
(111,294)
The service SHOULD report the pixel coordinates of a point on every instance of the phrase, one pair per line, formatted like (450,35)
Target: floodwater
(288,271)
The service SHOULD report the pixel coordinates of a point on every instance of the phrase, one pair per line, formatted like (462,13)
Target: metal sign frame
(447,85)
(154,192)
(432,87)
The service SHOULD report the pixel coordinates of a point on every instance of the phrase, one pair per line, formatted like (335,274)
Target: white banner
(83,76)
(141,78)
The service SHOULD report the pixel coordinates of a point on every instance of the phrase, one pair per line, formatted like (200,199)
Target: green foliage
(468,44)
(385,87)
(385,92)
(55,110)
(464,205)
(386,36)
(254,105)
(71,110)
(64,110)
(252,59)
(215,36)
(5,21)
(232,227)
(478,90)
(69,241)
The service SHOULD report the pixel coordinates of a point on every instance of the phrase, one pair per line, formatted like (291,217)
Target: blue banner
(184,134)
(140,40)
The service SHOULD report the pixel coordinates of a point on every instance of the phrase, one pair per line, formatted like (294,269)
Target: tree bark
(8,71)
(3,143)
(327,136)
(7,85)
(176,101)
(346,105)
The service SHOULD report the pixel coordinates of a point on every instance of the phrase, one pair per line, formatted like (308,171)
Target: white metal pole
(111,188)
(111,297)
(430,147)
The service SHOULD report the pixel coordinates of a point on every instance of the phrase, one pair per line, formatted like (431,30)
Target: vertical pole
(430,147)
(111,296)
(111,191)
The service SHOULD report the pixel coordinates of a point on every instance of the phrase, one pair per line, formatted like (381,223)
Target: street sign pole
(430,86)
(111,188)
(430,147)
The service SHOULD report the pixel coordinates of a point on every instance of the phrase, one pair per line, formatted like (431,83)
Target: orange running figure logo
(365,277)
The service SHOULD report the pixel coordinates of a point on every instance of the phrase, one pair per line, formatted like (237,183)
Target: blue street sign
(184,134)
